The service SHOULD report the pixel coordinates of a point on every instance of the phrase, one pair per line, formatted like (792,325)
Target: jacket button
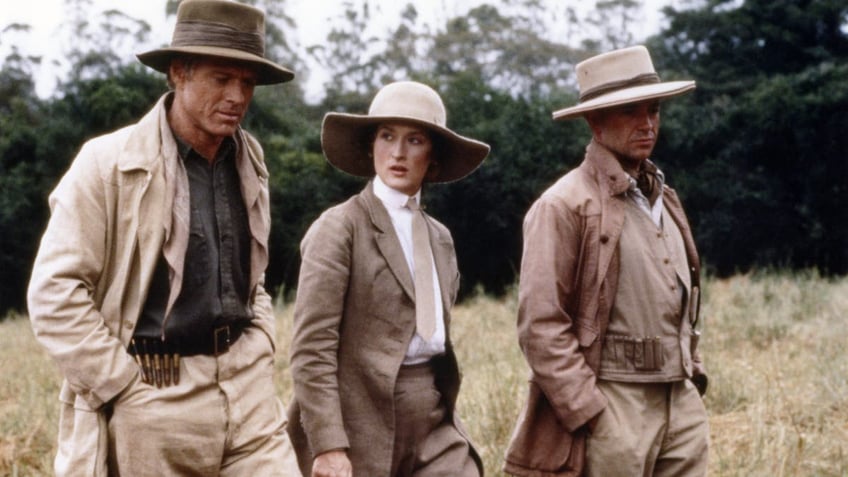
(604,238)
(128,324)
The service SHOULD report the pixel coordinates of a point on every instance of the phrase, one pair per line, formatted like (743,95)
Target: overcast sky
(47,39)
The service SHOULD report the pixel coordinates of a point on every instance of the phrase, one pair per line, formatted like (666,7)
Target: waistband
(425,370)
(211,343)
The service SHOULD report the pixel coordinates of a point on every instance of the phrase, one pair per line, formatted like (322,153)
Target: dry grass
(28,402)
(779,370)
(775,345)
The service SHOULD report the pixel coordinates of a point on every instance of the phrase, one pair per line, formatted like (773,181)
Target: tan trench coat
(109,216)
(354,319)
(569,273)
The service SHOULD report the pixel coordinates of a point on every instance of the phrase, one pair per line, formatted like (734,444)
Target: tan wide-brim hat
(347,138)
(620,77)
(221,29)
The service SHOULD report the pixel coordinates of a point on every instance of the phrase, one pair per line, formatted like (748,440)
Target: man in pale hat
(608,298)
(375,375)
(148,285)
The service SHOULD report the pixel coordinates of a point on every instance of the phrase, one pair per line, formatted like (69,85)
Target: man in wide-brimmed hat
(608,298)
(375,375)
(148,284)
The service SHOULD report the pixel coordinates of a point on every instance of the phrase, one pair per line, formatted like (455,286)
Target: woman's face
(402,156)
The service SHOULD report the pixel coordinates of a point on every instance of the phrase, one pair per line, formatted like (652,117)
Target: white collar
(391,197)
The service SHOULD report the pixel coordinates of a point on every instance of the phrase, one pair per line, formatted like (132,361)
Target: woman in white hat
(375,376)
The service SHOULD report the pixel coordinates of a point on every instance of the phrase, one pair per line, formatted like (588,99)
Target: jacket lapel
(387,240)
(253,175)
(612,181)
(141,163)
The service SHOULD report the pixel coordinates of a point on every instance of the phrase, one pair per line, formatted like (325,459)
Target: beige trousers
(426,443)
(649,429)
(223,419)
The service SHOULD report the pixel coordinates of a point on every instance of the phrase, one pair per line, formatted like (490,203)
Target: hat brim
(626,96)
(345,139)
(268,72)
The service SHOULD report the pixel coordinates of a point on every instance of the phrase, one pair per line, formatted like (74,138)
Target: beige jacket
(569,273)
(110,215)
(354,319)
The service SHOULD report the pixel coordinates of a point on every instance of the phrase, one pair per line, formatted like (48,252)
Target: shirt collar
(390,197)
(185,150)
(606,163)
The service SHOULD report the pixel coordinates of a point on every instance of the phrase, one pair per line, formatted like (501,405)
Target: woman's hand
(332,464)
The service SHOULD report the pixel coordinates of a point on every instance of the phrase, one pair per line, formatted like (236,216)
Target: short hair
(188,63)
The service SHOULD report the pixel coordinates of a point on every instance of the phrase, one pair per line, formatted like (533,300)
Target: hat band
(194,33)
(643,79)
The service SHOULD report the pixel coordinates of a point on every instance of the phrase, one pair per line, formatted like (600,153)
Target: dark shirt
(216,276)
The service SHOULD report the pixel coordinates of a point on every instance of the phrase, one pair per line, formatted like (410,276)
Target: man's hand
(592,423)
(332,464)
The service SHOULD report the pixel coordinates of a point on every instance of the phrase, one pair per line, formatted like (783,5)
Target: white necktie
(425,307)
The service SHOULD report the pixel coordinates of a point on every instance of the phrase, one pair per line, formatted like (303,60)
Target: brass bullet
(176,369)
(168,369)
(157,370)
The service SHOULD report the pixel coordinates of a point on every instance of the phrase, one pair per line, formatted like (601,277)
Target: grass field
(774,344)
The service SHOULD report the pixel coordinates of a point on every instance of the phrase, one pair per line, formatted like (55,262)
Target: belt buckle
(221,340)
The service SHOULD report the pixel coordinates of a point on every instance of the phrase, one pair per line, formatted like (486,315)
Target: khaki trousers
(223,419)
(426,443)
(649,429)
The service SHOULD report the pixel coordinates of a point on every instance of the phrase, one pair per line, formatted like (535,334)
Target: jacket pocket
(540,443)
(83,439)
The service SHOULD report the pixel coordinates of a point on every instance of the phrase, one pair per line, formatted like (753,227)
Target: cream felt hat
(347,138)
(620,77)
(222,29)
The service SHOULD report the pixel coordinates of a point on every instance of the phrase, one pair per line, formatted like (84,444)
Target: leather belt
(211,343)
(215,343)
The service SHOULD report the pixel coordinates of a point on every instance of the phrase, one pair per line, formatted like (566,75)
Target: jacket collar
(150,134)
(387,240)
(153,133)
(391,250)
(612,177)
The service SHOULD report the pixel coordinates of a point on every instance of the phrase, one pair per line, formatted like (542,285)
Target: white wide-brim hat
(220,29)
(347,138)
(620,77)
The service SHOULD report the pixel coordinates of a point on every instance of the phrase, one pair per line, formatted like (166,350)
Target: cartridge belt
(159,360)
(641,358)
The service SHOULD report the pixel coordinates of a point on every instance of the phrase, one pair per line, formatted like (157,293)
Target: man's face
(402,155)
(629,131)
(211,98)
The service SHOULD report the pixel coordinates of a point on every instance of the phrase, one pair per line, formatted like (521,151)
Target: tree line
(757,152)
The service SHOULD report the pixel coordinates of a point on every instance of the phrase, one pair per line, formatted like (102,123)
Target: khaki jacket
(569,273)
(109,216)
(354,318)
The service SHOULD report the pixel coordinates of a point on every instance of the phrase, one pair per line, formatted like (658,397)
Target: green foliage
(506,51)
(37,142)
(761,145)
(485,210)
(757,152)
